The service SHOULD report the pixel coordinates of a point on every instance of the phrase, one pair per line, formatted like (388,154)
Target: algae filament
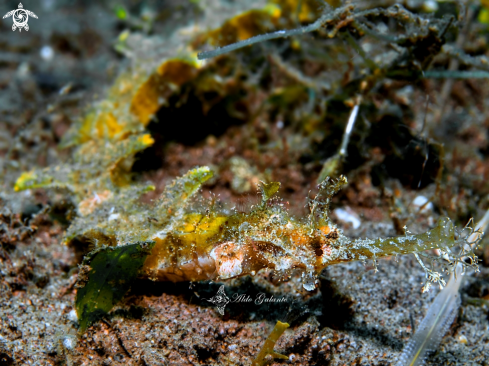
(267,349)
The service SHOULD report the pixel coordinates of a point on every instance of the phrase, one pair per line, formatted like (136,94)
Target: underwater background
(164,203)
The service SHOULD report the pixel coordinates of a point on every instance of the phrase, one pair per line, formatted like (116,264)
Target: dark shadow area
(250,301)
(336,312)
(133,312)
(204,354)
(334,126)
(5,359)
(331,308)
(247,300)
(376,335)
(335,309)
(411,159)
(190,122)
(478,288)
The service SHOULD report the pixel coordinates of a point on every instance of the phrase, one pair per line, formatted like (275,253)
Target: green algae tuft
(107,274)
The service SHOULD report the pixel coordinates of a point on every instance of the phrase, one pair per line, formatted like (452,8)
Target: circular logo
(20,18)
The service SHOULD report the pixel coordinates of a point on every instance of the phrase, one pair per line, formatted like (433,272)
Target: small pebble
(419,201)
(47,53)
(348,215)
(462,339)
(430,6)
(72,316)
(69,343)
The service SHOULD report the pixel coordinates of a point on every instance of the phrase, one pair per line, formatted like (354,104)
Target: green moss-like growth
(110,274)
(96,170)
(120,218)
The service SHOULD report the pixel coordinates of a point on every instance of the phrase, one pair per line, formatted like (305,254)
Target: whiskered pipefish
(194,244)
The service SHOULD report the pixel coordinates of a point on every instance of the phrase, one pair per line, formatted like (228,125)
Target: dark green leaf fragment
(111,272)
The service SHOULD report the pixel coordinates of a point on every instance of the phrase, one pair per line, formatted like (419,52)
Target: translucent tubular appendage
(349,128)
(434,325)
(440,315)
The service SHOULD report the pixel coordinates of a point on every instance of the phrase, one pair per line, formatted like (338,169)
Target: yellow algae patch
(100,126)
(303,10)
(243,26)
(199,230)
(194,236)
(145,103)
(107,125)
(146,140)
(28,180)
(189,223)
(25,181)
(177,72)
(158,253)
(151,94)
(483,16)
